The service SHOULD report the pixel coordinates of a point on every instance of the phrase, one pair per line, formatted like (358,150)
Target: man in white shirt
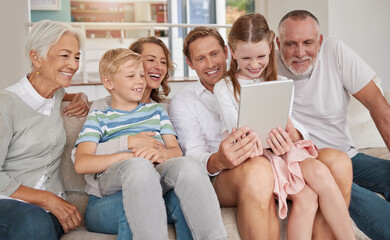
(239,182)
(193,111)
(325,72)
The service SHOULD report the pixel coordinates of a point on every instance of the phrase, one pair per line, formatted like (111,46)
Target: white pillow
(363,130)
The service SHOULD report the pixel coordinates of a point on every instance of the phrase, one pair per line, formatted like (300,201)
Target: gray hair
(46,33)
(298,14)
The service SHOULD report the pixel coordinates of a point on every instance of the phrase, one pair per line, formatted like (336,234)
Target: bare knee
(317,176)
(257,182)
(340,166)
(305,201)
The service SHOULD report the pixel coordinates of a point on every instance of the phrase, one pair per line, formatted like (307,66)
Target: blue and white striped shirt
(102,126)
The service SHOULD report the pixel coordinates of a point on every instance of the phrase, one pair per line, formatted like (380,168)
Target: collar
(31,97)
(199,88)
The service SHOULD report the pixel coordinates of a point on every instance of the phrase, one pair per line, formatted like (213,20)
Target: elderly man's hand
(78,106)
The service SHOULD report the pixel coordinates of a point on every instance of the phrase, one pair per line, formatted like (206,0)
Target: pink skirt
(287,172)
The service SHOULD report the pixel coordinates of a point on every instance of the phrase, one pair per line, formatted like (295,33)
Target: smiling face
(208,59)
(299,42)
(155,64)
(252,58)
(61,63)
(127,84)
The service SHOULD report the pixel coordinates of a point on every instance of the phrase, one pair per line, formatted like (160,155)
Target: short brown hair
(201,32)
(113,59)
(137,47)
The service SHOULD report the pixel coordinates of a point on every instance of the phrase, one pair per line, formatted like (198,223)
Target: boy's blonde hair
(113,59)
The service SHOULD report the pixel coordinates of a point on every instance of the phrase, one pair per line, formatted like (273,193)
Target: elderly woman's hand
(66,213)
(78,106)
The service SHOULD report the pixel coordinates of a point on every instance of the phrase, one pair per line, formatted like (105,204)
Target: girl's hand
(257,150)
(143,140)
(294,134)
(152,154)
(279,141)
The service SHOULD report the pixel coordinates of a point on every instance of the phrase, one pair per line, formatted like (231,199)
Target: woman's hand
(66,213)
(144,139)
(279,141)
(78,106)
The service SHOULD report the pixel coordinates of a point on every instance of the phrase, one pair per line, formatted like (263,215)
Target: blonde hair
(137,47)
(251,28)
(113,59)
(46,33)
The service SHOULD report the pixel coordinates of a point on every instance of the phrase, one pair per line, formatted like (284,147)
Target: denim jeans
(20,221)
(143,185)
(107,215)
(370,212)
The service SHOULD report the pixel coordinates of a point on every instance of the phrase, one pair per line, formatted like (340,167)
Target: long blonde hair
(251,28)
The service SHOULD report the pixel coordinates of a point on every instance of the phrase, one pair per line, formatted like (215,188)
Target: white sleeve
(227,105)
(301,129)
(189,131)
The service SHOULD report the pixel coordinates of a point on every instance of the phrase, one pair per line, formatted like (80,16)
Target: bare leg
(249,187)
(331,201)
(303,211)
(340,166)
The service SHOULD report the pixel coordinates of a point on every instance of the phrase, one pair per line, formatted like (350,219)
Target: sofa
(74,184)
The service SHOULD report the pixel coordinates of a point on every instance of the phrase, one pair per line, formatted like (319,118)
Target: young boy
(144,174)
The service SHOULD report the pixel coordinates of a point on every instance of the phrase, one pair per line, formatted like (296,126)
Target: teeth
(66,74)
(154,75)
(212,72)
(254,70)
(138,89)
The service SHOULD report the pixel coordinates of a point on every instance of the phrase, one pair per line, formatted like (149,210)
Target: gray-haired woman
(32,200)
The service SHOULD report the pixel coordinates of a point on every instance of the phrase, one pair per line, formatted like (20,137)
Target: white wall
(276,9)
(364,26)
(13,15)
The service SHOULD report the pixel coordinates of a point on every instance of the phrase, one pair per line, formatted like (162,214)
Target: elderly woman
(32,200)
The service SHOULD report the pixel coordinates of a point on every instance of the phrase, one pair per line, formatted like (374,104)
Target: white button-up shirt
(194,114)
(31,97)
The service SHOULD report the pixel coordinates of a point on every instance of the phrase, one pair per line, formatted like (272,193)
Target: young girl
(299,176)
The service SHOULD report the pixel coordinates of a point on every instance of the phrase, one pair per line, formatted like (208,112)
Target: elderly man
(238,181)
(325,72)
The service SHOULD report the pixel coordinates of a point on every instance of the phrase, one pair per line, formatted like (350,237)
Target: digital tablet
(264,106)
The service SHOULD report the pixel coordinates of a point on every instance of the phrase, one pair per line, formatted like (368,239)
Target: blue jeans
(107,215)
(20,220)
(370,212)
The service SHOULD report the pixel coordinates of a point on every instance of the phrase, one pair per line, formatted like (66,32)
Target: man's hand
(66,213)
(234,150)
(279,141)
(144,139)
(78,106)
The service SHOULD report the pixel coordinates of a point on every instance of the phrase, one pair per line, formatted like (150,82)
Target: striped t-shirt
(102,126)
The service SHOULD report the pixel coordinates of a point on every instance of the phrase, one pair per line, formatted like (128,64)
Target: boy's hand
(279,141)
(149,153)
(144,140)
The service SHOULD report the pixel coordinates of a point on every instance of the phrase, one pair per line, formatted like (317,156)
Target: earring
(38,73)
